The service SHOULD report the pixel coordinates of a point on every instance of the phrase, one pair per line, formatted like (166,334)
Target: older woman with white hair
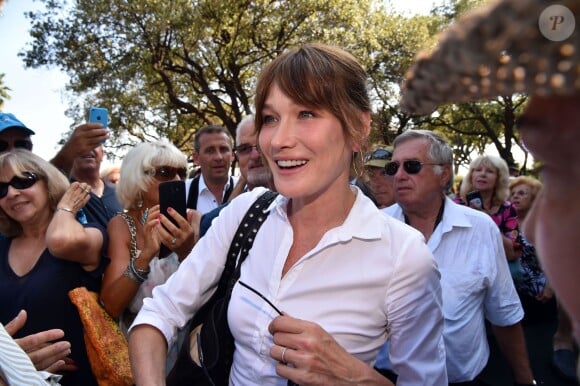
(136,235)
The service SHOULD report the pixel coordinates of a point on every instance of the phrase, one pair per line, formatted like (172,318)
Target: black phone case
(474,195)
(171,195)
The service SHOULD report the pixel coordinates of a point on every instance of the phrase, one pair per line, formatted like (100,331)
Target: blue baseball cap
(9,121)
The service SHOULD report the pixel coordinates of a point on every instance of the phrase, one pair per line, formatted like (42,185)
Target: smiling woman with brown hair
(345,276)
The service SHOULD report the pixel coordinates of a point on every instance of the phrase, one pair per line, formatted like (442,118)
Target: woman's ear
(366,130)
(366,119)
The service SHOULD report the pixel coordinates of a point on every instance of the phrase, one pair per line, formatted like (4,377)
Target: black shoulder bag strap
(243,241)
(215,343)
(215,369)
(193,193)
(229,190)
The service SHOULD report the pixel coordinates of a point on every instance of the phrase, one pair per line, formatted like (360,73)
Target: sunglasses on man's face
(410,167)
(26,181)
(378,154)
(18,144)
(168,173)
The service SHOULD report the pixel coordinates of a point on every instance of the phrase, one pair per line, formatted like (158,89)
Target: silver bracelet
(142,273)
(64,209)
(129,273)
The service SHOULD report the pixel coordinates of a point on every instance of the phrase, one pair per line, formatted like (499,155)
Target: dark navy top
(102,209)
(43,293)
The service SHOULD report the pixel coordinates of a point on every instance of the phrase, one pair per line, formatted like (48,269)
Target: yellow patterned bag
(106,346)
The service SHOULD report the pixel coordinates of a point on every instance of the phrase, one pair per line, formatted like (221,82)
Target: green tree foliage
(4,91)
(388,54)
(165,68)
(471,127)
(447,11)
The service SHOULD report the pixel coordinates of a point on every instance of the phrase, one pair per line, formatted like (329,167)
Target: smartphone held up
(474,199)
(99,115)
(171,195)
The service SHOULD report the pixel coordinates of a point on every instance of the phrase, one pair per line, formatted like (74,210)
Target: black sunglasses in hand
(290,383)
(410,167)
(261,296)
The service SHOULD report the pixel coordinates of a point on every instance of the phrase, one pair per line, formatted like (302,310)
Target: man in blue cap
(85,138)
(13,133)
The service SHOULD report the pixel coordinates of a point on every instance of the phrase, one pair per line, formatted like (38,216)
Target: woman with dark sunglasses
(46,252)
(129,279)
(345,276)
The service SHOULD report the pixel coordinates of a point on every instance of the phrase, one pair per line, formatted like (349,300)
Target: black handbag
(207,356)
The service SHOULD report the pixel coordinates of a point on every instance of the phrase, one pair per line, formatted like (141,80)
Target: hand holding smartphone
(99,115)
(474,199)
(171,195)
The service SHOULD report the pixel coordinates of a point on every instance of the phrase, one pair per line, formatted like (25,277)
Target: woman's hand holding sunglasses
(308,355)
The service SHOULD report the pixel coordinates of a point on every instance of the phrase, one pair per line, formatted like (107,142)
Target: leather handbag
(206,358)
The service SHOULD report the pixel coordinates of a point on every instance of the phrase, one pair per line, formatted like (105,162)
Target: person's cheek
(552,225)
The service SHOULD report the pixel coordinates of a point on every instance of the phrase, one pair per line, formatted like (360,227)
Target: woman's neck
(312,218)
(323,212)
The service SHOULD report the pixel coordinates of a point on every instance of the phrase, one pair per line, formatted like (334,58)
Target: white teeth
(290,163)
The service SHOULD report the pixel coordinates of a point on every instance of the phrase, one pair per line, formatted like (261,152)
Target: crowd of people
(366,270)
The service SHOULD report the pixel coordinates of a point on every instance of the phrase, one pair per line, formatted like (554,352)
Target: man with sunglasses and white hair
(467,246)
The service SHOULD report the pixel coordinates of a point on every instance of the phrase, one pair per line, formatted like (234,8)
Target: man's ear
(446,174)
(195,157)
